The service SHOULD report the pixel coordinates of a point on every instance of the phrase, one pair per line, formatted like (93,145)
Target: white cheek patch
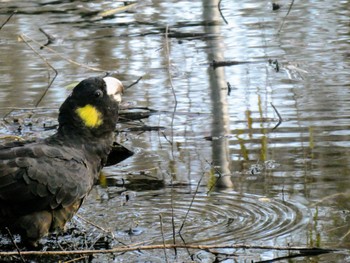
(114,88)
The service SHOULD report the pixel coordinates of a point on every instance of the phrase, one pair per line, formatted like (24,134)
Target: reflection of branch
(229,88)
(305,250)
(65,58)
(8,19)
(215,64)
(284,18)
(279,117)
(47,64)
(219,7)
(290,256)
(143,128)
(167,53)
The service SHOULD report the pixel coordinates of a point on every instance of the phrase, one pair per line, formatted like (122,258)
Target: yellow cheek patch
(91,117)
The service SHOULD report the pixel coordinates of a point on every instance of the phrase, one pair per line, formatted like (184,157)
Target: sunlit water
(256,184)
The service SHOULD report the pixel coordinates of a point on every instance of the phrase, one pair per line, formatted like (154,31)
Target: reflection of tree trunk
(220,126)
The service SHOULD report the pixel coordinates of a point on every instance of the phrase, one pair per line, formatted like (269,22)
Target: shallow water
(217,166)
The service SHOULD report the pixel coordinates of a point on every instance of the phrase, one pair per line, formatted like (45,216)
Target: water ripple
(215,218)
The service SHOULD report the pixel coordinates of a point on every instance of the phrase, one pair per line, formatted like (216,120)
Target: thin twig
(134,83)
(14,243)
(93,224)
(345,195)
(50,38)
(167,54)
(8,19)
(309,250)
(191,203)
(166,138)
(284,18)
(173,214)
(99,227)
(279,117)
(219,7)
(163,239)
(188,211)
(65,58)
(290,7)
(47,64)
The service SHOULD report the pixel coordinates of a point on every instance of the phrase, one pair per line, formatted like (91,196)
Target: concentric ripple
(215,218)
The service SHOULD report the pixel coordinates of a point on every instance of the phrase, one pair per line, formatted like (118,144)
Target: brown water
(218,167)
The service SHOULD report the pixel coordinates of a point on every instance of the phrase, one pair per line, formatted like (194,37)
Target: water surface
(216,167)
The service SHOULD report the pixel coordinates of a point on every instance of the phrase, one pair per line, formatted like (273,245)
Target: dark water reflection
(287,186)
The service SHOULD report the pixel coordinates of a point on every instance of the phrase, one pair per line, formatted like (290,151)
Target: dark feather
(43,183)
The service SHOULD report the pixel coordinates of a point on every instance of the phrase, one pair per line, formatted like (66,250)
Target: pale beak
(114,88)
